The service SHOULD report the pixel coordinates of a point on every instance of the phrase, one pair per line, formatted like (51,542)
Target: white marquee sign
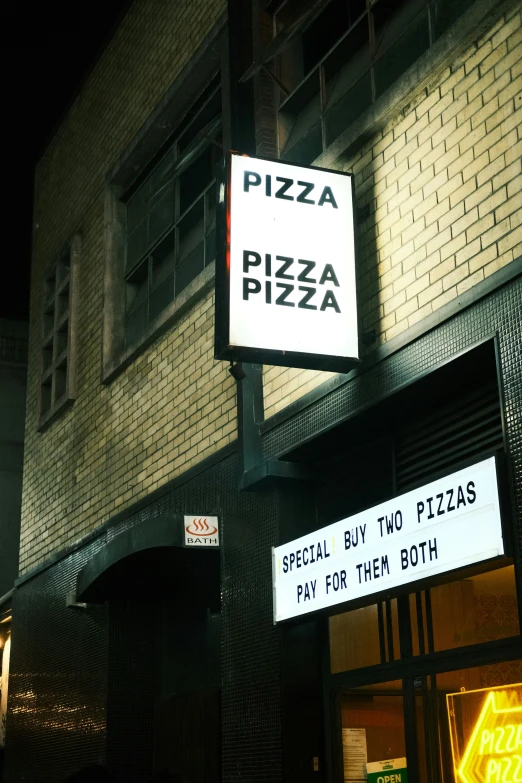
(290,266)
(447,524)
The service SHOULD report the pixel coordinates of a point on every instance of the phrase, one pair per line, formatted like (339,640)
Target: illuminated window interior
(420,639)
(471,611)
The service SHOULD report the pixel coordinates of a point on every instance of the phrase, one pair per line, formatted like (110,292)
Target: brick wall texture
(443,182)
(174,405)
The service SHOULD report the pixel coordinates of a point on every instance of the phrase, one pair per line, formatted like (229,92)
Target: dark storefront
(386,667)
(289,695)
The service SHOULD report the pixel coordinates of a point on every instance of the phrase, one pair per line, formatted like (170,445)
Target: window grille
(467,429)
(336,62)
(171,217)
(58,347)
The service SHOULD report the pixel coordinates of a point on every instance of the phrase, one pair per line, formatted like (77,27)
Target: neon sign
(486,726)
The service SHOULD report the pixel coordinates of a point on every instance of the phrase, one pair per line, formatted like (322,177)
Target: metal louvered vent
(469,427)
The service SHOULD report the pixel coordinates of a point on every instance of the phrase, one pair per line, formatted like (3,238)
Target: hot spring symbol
(200,528)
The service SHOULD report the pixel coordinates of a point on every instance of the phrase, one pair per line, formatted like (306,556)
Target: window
(171,217)
(58,346)
(478,609)
(420,728)
(159,233)
(393,663)
(343,59)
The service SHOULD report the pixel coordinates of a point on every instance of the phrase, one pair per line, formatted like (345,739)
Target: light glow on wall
(4,684)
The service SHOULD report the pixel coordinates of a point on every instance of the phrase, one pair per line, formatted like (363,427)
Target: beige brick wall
(174,405)
(444,182)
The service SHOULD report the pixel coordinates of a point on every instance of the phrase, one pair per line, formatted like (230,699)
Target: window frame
(416,668)
(402,94)
(139,270)
(138,159)
(346,79)
(56,323)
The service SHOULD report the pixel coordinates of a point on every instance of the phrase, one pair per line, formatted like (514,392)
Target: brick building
(127,647)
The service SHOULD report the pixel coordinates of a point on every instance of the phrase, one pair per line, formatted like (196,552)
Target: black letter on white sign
(247,262)
(250,178)
(309,292)
(287,183)
(287,262)
(307,188)
(327,197)
(330,301)
(329,274)
(281,299)
(250,286)
(309,265)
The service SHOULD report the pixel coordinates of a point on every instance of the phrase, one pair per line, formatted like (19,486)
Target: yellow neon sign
(493,752)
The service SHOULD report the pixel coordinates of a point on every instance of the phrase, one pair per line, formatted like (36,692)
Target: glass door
(372,727)
(433,728)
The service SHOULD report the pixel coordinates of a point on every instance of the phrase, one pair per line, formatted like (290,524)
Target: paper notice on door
(355,755)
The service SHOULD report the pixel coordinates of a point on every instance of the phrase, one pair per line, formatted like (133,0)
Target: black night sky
(47,49)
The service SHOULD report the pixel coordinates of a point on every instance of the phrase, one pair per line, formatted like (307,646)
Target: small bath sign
(201,531)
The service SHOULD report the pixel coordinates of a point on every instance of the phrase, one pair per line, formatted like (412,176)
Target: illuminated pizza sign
(285,274)
(486,734)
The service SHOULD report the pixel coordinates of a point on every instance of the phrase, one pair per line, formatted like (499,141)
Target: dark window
(343,59)
(171,217)
(58,346)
